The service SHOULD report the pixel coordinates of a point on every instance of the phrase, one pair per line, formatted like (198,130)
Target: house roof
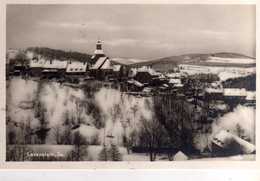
(251,95)
(55,64)
(172,75)
(180,156)
(213,90)
(149,70)
(135,82)
(116,68)
(37,63)
(175,81)
(178,85)
(234,92)
(76,66)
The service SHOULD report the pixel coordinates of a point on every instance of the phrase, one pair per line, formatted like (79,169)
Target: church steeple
(99,50)
(99,45)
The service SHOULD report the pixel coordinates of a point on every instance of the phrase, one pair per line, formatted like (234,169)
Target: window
(71,69)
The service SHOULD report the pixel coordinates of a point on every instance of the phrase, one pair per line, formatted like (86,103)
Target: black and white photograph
(130,82)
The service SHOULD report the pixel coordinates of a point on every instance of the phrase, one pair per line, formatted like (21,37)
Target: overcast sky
(134,31)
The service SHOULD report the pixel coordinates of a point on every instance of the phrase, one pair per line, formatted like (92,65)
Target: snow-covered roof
(116,68)
(216,84)
(76,66)
(251,95)
(37,63)
(147,89)
(213,90)
(173,75)
(175,81)
(180,156)
(135,82)
(149,70)
(165,85)
(55,64)
(161,76)
(50,70)
(99,62)
(106,65)
(235,92)
(178,85)
(223,137)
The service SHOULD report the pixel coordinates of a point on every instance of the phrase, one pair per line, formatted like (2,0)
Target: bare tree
(66,137)
(42,129)
(79,151)
(130,140)
(16,148)
(57,133)
(152,136)
(177,117)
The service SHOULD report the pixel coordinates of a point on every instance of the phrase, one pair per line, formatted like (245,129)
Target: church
(102,66)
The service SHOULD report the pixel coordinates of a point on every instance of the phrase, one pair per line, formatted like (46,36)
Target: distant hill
(127,61)
(168,63)
(60,54)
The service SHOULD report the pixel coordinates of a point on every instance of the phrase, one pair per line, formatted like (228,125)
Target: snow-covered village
(64,105)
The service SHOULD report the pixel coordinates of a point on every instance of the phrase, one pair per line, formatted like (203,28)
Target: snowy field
(93,154)
(224,73)
(231,60)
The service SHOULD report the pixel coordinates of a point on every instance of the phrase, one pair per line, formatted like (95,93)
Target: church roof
(102,63)
(106,65)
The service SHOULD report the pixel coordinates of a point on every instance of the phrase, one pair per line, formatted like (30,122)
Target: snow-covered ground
(224,73)
(250,157)
(231,60)
(93,154)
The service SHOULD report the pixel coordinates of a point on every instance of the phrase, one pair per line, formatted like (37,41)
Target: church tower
(98,52)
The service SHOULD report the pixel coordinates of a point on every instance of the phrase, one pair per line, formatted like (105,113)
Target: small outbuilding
(180,156)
